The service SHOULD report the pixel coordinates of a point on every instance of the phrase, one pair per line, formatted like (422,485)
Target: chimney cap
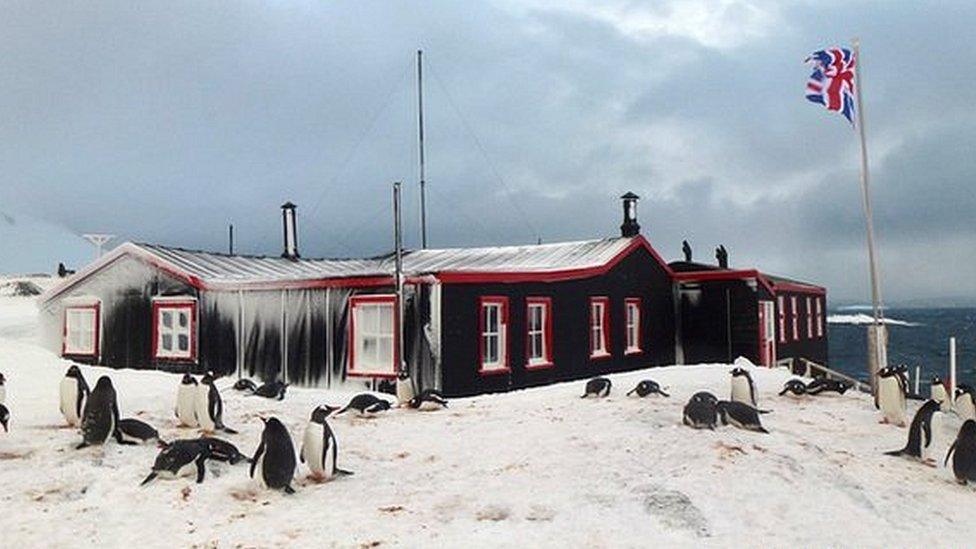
(629,196)
(288,206)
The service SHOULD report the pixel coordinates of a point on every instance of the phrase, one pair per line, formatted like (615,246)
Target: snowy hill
(540,467)
(29,245)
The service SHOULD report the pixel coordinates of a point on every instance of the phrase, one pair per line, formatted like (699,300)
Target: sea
(917,337)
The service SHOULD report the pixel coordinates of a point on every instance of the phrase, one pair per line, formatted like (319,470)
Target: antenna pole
(230,239)
(420,131)
(398,277)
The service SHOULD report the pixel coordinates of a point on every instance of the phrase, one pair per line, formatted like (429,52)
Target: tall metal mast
(420,129)
(398,277)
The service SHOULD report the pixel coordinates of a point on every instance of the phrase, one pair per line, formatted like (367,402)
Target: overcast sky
(165,121)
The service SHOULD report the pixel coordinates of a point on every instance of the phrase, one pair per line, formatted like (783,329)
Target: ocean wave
(861,319)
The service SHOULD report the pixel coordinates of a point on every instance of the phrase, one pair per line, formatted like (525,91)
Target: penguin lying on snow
(245,385)
(209,407)
(274,458)
(180,458)
(890,396)
(74,393)
(186,397)
(743,388)
(5,418)
(647,387)
(963,453)
(795,387)
(596,386)
(822,385)
(366,405)
(100,420)
(137,432)
(920,432)
(701,412)
(221,450)
(272,389)
(964,404)
(428,400)
(741,415)
(319,448)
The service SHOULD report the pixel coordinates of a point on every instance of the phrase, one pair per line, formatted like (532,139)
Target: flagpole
(881,354)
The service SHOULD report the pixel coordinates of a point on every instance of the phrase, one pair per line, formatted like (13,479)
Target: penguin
(890,396)
(180,458)
(245,385)
(963,453)
(74,393)
(209,407)
(938,393)
(404,388)
(100,419)
(794,387)
(137,432)
(964,404)
(221,450)
(743,388)
(428,400)
(3,389)
(274,458)
(701,412)
(5,418)
(741,415)
(596,386)
(920,431)
(272,389)
(822,384)
(647,387)
(186,397)
(366,405)
(319,448)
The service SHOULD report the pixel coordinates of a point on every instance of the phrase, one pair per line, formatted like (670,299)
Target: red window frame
(639,348)
(794,317)
(159,305)
(605,319)
(503,328)
(354,301)
(96,335)
(781,315)
(547,361)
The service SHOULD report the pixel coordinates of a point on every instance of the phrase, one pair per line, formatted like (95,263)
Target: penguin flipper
(301,453)
(630,392)
(82,445)
(662,393)
(257,455)
(288,489)
(148,479)
(927,429)
(201,468)
(949,453)
(228,430)
(343,472)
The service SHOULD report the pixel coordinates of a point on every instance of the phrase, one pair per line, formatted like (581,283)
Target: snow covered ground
(533,468)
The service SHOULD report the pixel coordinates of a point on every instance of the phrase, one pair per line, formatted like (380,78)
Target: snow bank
(861,319)
(539,467)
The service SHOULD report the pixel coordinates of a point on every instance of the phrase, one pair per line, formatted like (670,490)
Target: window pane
(167,342)
(385,313)
(167,319)
(184,319)
(184,342)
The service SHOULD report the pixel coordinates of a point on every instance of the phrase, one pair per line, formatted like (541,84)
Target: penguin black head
(737,371)
(207,379)
(273,427)
(322,412)
(2,379)
(4,417)
(403,375)
(968,429)
(74,372)
(188,380)
(104,382)
(704,396)
(936,380)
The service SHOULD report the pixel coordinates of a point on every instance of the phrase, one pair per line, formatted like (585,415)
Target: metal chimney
(291,231)
(630,227)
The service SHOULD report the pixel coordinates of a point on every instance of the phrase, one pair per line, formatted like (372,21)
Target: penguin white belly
(3,394)
(965,408)
(312,448)
(259,470)
(203,409)
(184,471)
(741,391)
(931,448)
(939,395)
(69,408)
(429,406)
(891,400)
(404,391)
(186,406)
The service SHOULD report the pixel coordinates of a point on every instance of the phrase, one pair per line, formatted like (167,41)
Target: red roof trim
(742,274)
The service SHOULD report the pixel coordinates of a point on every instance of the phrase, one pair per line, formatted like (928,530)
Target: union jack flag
(832,81)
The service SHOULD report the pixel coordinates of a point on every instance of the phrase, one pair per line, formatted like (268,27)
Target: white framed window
(809,318)
(632,307)
(599,327)
(372,352)
(174,329)
(81,329)
(820,317)
(781,315)
(794,314)
(538,332)
(494,334)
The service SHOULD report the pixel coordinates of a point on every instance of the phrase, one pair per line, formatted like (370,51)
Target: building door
(767,333)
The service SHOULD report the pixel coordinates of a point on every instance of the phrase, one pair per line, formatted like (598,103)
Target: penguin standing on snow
(319,448)
(741,415)
(100,419)
(647,387)
(366,404)
(963,453)
(428,400)
(209,407)
(74,393)
(939,394)
(5,418)
(597,387)
(964,404)
(920,432)
(701,411)
(137,432)
(404,388)
(274,458)
(186,397)
(180,458)
(743,388)
(794,387)
(890,396)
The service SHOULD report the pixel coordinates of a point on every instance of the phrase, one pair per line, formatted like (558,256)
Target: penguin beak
(263,420)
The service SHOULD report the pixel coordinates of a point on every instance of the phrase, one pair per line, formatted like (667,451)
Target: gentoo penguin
(647,387)
(890,396)
(209,407)
(275,457)
(180,458)
(938,393)
(964,404)
(598,387)
(186,397)
(963,452)
(701,412)
(74,393)
(404,388)
(137,432)
(3,389)
(428,400)
(4,418)
(245,385)
(319,448)
(823,385)
(741,415)
(743,389)
(272,389)
(221,450)
(100,419)
(920,432)
(795,387)
(366,404)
